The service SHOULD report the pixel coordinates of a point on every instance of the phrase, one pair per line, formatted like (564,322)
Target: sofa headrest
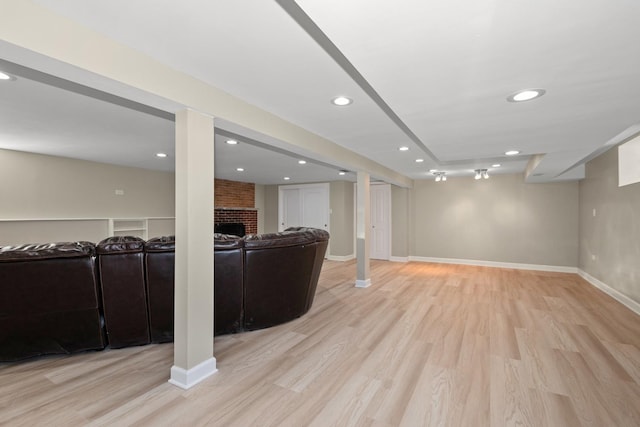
(227,241)
(120,245)
(278,240)
(161,244)
(46,251)
(320,235)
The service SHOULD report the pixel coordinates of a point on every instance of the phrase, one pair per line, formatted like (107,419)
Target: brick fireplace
(246,216)
(235,203)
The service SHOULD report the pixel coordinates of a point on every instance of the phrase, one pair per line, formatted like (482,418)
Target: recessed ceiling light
(419,160)
(512,153)
(403,148)
(286,178)
(526,95)
(497,165)
(240,169)
(232,142)
(162,155)
(433,170)
(302,162)
(341,101)
(342,173)
(5,76)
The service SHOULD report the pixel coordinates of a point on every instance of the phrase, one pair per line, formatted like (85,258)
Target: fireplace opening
(235,228)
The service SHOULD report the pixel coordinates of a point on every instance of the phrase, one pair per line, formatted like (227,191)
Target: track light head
(481,173)
(440,176)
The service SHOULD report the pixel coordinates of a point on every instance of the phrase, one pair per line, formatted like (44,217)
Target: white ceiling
(433,76)
(43,118)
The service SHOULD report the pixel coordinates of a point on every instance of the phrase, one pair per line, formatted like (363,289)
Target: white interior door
(304,206)
(380,221)
(290,214)
(315,207)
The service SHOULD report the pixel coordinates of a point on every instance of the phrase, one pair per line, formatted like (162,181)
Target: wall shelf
(137,227)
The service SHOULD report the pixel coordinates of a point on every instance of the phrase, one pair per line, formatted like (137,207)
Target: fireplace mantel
(223,208)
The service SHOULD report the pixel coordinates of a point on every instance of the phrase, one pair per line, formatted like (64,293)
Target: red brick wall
(233,194)
(249,217)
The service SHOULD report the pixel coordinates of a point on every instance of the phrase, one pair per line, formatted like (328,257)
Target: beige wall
(341,223)
(610,240)
(270,208)
(342,211)
(501,219)
(48,187)
(399,222)
(259,205)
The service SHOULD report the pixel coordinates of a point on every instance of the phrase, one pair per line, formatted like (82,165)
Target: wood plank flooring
(425,345)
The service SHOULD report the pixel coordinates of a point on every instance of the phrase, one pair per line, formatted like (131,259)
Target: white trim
(363,283)
(399,258)
(341,258)
(613,293)
(187,379)
(517,266)
(78,219)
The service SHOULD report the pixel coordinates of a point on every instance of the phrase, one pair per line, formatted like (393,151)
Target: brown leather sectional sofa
(63,298)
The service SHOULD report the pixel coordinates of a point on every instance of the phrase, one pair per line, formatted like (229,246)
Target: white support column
(363,229)
(193,359)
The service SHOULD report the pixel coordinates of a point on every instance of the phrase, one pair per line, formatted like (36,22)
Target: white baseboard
(617,295)
(517,266)
(341,258)
(363,283)
(188,378)
(399,259)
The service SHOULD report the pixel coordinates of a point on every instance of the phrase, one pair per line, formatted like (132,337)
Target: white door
(290,214)
(380,221)
(315,207)
(304,206)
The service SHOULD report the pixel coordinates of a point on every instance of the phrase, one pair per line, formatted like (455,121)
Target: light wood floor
(426,344)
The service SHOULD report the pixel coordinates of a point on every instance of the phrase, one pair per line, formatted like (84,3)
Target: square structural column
(363,230)
(193,323)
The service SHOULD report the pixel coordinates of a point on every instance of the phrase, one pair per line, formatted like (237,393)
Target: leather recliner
(159,264)
(276,277)
(321,243)
(124,297)
(228,295)
(49,300)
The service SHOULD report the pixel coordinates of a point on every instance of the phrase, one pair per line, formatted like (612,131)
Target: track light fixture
(481,173)
(440,176)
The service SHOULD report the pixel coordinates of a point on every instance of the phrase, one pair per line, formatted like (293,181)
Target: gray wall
(342,211)
(501,219)
(610,240)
